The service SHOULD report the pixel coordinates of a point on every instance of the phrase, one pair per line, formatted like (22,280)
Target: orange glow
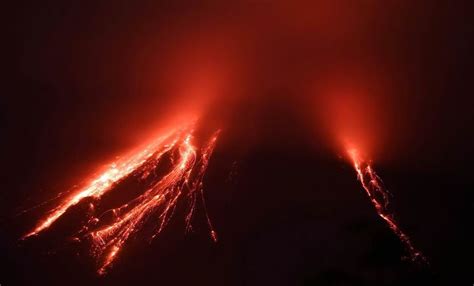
(354,110)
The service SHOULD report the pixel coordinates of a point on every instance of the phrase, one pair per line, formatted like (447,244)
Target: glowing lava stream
(185,176)
(378,195)
(164,193)
(103,183)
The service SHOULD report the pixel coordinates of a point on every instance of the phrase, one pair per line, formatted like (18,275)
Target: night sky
(285,80)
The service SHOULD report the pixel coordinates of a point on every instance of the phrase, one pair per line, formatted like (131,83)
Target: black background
(286,212)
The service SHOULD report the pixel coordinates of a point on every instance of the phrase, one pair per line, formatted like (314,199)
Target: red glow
(189,164)
(354,111)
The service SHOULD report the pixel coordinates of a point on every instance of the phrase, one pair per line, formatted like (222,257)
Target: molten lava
(184,179)
(379,197)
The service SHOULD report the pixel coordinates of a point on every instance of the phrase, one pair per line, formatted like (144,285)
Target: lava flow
(379,196)
(184,178)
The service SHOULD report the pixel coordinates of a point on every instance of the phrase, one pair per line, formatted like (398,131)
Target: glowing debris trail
(161,199)
(378,195)
(188,166)
(103,183)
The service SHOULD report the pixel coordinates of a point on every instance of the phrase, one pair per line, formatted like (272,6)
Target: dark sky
(85,81)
